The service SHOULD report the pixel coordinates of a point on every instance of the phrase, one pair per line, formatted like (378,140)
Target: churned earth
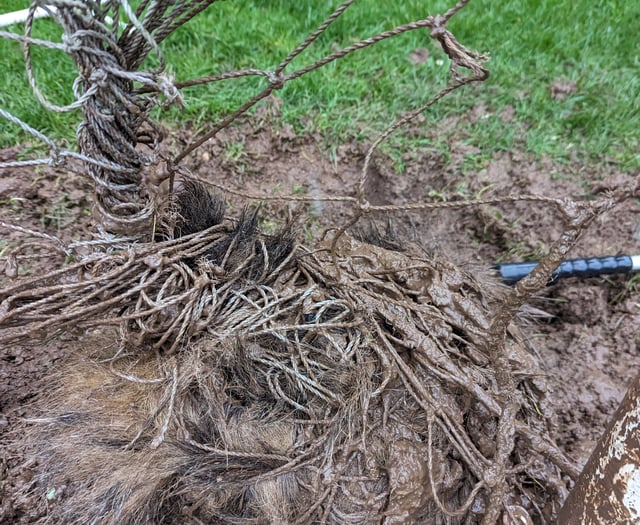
(585,331)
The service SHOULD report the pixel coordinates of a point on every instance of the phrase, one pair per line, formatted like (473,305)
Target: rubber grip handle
(511,273)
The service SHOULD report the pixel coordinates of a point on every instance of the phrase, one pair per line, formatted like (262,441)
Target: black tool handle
(511,273)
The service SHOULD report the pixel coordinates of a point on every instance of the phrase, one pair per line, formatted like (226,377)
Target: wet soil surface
(584,330)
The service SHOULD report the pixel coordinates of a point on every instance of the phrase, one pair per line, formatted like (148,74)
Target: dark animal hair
(198,208)
(244,244)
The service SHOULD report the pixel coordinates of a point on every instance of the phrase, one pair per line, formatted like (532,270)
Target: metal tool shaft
(511,273)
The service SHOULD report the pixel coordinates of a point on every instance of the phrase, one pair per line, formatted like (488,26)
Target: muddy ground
(585,330)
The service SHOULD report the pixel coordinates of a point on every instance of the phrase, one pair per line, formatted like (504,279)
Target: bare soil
(584,330)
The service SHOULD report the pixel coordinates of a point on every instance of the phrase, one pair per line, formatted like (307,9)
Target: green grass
(532,43)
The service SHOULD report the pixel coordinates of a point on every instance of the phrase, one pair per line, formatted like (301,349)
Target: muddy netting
(227,375)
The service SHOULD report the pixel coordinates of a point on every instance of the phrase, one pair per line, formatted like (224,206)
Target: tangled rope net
(315,386)
(255,379)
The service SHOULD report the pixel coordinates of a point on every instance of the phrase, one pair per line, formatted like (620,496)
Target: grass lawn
(533,44)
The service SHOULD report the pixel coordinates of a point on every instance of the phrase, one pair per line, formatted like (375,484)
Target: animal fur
(346,387)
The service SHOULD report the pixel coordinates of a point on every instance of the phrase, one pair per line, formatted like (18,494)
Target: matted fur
(353,387)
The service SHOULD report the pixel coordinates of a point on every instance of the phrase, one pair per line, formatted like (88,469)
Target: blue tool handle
(511,273)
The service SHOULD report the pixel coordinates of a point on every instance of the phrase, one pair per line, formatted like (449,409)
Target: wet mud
(573,352)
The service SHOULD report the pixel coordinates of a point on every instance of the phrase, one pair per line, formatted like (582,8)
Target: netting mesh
(254,379)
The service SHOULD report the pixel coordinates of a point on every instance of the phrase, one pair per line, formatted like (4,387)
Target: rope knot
(71,43)
(438,26)
(99,77)
(276,80)
(55,159)
(168,89)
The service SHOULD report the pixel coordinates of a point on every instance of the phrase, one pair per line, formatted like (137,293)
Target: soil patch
(586,338)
